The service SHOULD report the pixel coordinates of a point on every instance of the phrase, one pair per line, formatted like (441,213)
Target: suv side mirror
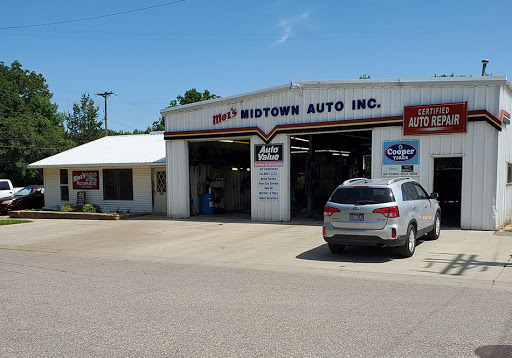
(433,196)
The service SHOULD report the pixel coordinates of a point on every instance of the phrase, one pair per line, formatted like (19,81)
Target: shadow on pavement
(352,254)
(458,264)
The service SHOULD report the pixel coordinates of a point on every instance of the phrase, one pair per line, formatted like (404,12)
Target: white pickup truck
(6,188)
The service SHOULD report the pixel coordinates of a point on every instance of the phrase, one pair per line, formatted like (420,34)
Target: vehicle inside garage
(220,177)
(321,162)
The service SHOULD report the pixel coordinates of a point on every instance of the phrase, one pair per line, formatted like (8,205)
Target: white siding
(142,199)
(478,147)
(504,190)
(178,183)
(390,98)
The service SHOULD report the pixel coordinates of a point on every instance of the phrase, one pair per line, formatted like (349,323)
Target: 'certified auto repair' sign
(435,118)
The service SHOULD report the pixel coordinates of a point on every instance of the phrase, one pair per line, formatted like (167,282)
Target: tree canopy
(190,96)
(30,126)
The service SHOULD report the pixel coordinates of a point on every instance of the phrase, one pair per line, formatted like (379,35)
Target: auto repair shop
(279,152)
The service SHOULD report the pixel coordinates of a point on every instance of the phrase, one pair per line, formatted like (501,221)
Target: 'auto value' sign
(435,118)
(268,155)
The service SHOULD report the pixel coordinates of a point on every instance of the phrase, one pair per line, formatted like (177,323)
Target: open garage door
(321,162)
(220,177)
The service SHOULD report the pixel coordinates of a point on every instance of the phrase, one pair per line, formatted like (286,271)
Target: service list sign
(435,118)
(268,160)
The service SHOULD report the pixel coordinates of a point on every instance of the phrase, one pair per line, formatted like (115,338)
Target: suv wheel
(336,249)
(436,231)
(410,244)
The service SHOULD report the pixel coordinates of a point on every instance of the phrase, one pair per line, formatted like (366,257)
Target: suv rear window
(362,195)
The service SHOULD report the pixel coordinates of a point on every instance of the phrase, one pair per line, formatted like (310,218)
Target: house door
(159,184)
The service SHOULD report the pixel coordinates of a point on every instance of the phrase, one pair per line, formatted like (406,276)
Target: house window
(117,184)
(509,173)
(64,188)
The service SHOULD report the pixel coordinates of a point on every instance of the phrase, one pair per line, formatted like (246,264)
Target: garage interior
(220,177)
(321,162)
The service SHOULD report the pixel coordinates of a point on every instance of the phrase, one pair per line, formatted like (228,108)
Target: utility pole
(106,95)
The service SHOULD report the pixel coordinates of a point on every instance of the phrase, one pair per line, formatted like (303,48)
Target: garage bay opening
(321,162)
(220,177)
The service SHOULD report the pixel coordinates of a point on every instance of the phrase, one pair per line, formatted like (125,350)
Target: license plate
(356,217)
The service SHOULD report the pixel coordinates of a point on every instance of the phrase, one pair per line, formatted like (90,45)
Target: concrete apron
(460,258)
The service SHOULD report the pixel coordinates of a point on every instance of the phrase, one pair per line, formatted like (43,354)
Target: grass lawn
(13,221)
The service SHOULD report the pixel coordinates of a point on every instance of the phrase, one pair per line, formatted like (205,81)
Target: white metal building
(117,172)
(280,151)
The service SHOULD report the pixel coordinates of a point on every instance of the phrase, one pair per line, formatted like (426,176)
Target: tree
(83,125)
(450,75)
(30,126)
(191,96)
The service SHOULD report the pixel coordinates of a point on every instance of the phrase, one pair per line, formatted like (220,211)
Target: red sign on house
(435,118)
(85,180)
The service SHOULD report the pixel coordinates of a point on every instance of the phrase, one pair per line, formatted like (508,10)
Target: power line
(92,17)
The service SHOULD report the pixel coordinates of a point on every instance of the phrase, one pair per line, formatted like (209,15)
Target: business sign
(405,170)
(435,118)
(268,155)
(86,180)
(401,152)
(268,183)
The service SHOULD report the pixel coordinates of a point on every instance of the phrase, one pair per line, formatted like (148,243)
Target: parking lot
(460,258)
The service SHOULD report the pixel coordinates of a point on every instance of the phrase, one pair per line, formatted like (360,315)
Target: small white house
(117,172)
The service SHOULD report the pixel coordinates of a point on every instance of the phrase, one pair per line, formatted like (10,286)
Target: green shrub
(88,208)
(68,208)
(91,208)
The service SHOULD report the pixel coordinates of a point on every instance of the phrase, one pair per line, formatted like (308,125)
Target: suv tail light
(389,212)
(329,210)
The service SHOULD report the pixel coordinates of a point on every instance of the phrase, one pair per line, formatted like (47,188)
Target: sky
(149,52)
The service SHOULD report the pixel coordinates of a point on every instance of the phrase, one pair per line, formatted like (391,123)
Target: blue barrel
(206,204)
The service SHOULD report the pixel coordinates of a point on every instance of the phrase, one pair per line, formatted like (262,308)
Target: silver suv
(380,212)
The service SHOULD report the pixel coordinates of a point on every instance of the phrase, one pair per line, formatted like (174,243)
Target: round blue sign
(401,152)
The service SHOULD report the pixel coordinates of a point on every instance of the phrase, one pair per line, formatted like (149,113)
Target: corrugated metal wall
(142,196)
(391,100)
(178,184)
(504,190)
(478,147)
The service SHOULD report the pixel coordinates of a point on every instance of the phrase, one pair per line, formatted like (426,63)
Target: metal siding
(178,193)
(478,147)
(504,190)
